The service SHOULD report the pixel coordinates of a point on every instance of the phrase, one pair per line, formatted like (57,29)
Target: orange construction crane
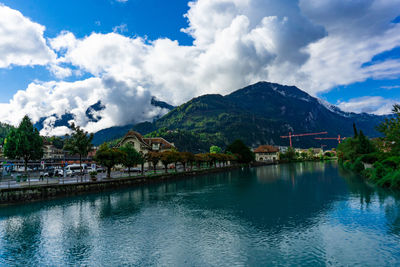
(297,135)
(339,139)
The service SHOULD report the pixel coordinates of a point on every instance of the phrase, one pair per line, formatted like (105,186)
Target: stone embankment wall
(43,192)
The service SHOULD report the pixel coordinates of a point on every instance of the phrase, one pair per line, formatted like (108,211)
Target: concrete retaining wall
(43,192)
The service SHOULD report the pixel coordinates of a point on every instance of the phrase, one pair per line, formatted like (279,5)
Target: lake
(303,214)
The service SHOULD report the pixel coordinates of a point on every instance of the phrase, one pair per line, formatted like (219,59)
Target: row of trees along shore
(129,157)
(378,159)
(24,142)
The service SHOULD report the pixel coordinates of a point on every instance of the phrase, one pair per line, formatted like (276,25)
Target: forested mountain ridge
(257,114)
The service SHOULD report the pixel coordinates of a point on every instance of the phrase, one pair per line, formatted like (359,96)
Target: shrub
(357,166)
(370,158)
(347,164)
(392,162)
(391,179)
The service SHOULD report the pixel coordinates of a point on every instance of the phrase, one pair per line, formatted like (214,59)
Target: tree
(167,157)
(109,157)
(154,158)
(289,155)
(391,129)
(355,130)
(215,150)
(141,161)
(79,142)
(24,142)
(187,157)
(132,157)
(245,155)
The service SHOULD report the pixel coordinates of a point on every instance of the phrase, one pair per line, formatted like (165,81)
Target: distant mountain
(257,114)
(161,104)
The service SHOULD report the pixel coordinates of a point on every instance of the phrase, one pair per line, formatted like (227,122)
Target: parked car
(51,172)
(22,169)
(75,169)
(133,169)
(100,169)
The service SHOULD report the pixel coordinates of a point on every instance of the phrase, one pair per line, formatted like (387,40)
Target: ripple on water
(287,215)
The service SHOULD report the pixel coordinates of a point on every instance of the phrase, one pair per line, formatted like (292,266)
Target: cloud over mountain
(314,44)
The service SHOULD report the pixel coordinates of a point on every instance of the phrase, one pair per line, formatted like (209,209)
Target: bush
(392,179)
(392,162)
(370,158)
(347,164)
(358,166)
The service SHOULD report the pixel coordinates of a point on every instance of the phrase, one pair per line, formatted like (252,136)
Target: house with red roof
(266,153)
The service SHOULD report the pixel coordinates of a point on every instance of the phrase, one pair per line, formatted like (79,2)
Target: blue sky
(151,18)
(122,53)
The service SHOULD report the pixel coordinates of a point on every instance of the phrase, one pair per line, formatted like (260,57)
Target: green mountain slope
(257,114)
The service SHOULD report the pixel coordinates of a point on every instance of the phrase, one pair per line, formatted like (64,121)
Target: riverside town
(200,133)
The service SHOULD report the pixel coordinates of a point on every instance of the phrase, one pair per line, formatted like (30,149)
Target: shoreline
(20,195)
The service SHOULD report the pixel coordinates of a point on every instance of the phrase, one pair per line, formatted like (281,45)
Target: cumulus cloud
(314,44)
(123,103)
(368,104)
(22,42)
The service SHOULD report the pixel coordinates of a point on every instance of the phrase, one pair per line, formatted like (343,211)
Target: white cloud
(390,87)
(314,44)
(368,104)
(22,42)
(356,32)
(123,103)
(121,28)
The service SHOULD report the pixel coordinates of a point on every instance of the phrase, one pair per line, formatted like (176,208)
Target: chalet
(267,153)
(145,145)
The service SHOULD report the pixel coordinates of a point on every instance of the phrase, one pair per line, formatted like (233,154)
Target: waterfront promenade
(36,189)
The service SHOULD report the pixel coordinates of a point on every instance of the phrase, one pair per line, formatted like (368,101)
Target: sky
(66,55)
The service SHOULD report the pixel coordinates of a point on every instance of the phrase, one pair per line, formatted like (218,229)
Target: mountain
(257,114)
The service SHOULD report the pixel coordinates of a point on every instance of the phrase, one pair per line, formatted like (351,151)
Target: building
(51,152)
(145,145)
(267,153)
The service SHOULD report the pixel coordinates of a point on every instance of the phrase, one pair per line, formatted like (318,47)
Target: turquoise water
(307,214)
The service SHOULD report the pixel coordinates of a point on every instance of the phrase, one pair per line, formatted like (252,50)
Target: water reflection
(300,214)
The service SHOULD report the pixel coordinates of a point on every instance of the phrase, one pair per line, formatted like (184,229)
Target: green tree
(355,130)
(289,155)
(391,129)
(244,154)
(24,142)
(79,142)
(215,150)
(109,157)
(132,157)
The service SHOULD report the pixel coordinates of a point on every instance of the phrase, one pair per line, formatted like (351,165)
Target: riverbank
(51,191)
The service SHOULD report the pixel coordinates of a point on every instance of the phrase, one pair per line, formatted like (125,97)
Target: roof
(158,140)
(266,149)
(164,144)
